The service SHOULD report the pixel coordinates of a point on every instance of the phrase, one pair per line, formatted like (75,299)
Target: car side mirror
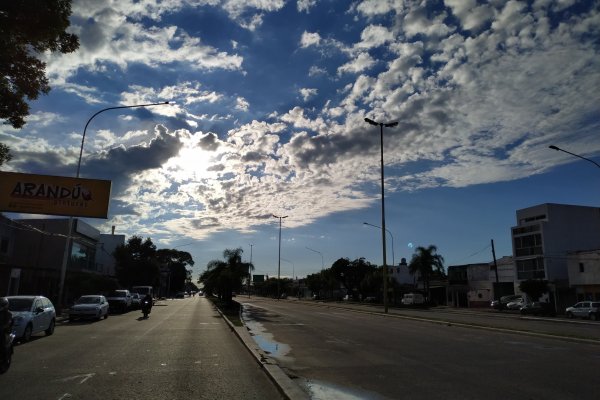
(39,310)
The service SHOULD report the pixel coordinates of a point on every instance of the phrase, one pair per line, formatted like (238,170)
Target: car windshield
(117,293)
(20,304)
(88,300)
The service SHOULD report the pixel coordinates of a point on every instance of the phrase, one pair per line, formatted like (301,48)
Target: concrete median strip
(288,388)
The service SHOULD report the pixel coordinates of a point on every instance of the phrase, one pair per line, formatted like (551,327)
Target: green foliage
(137,263)
(222,278)
(427,263)
(5,155)
(534,288)
(29,28)
(176,261)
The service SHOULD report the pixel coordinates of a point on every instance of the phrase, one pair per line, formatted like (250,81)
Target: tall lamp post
(391,236)
(573,154)
(385,271)
(250,270)
(321,254)
(63,269)
(279,257)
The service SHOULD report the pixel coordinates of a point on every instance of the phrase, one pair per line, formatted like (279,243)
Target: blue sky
(270,100)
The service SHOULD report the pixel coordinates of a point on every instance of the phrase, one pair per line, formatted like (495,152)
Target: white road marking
(83,378)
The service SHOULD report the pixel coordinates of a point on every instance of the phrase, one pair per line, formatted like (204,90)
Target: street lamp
(573,154)
(321,254)
(279,259)
(385,271)
(391,236)
(250,270)
(63,269)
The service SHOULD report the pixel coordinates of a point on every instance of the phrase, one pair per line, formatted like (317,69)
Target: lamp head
(370,121)
(391,124)
(553,147)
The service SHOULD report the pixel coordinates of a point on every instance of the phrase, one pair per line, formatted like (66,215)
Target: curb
(287,387)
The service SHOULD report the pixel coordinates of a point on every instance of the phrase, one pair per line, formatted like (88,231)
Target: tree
(426,262)
(225,277)
(5,155)
(534,288)
(176,261)
(137,263)
(29,28)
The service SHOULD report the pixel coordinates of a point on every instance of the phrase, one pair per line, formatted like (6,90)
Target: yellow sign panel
(54,195)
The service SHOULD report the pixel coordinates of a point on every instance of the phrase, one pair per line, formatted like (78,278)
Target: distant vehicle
(90,306)
(180,295)
(143,290)
(585,309)
(410,299)
(504,300)
(31,314)
(538,308)
(119,300)
(370,299)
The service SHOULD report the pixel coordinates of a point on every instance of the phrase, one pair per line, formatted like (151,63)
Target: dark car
(504,300)
(538,308)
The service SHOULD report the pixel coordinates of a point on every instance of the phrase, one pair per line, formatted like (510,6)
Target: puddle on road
(325,391)
(263,338)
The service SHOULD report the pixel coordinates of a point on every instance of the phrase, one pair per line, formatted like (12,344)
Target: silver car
(584,309)
(31,314)
(90,306)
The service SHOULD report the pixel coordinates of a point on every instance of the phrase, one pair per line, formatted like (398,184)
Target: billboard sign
(54,195)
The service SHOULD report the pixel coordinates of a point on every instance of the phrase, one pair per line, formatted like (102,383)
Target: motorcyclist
(5,322)
(147,302)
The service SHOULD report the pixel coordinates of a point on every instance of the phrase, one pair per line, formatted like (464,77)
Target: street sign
(54,195)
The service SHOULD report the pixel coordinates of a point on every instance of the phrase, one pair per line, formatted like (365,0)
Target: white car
(31,314)
(516,304)
(91,306)
(584,309)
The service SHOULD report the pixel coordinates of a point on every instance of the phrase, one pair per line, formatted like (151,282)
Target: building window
(581,268)
(532,268)
(529,245)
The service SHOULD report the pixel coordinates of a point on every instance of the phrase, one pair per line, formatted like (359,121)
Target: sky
(270,98)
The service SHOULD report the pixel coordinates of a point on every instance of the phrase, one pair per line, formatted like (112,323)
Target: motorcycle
(146,306)
(6,353)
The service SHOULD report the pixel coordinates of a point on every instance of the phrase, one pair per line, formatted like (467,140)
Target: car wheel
(570,315)
(27,334)
(50,329)
(593,317)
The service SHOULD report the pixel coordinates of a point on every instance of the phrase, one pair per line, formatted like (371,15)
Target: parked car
(412,299)
(538,308)
(119,300)
(136,300)
(584,309)
(31,314)
(516,304)
(180,295)
(504,300)
(91,306)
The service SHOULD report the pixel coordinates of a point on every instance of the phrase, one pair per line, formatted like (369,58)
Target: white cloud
(362,62)
(307,93)
(305,5)
(310,39)
(242,104)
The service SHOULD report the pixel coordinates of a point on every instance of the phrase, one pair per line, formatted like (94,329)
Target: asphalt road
(341,354)
(184,350)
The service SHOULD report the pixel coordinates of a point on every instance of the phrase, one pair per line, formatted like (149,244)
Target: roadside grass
(231,310)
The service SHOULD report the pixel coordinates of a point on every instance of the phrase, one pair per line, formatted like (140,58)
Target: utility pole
(496,288)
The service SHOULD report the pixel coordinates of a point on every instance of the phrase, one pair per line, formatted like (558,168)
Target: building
(584,274)
(34,253)
(544,237)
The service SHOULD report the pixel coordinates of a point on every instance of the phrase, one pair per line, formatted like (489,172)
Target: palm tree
(225,277)
(425,261)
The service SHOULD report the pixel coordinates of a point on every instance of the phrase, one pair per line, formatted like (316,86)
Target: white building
(584,274)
